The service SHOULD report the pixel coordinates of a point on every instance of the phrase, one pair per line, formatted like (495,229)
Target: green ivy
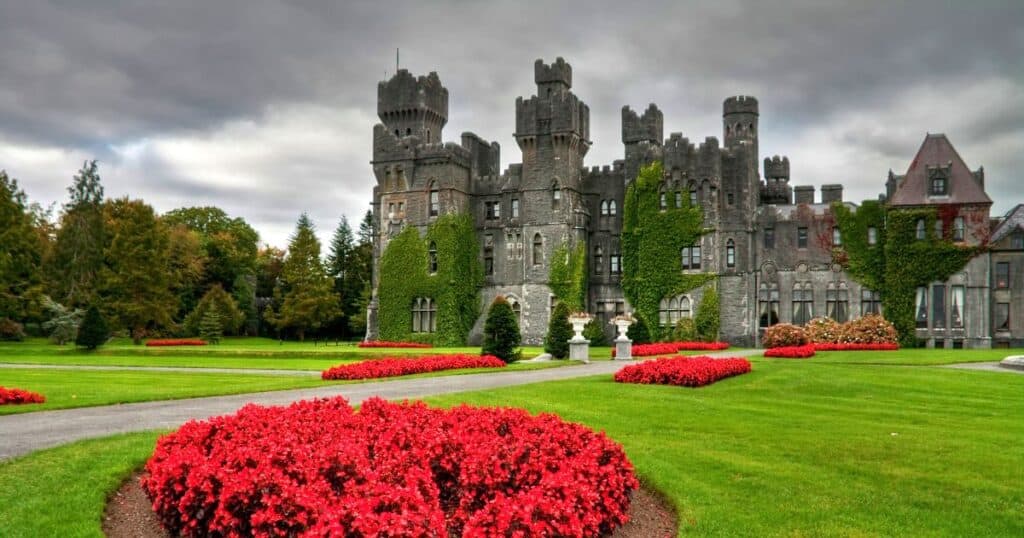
(652,240)
(568,276)
(707,321)
(898,263)
(455,287)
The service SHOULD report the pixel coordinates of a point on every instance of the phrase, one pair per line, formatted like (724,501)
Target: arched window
(517,309)
(803,303)
(837,302)
(435,200)
(604,208)
(663,313)
(679,199)
(538,250)
(428,136)
(673,311)
(921,233)
(684,308)
(662,201)
(433,257)
(693,196)
(611,207)
(556,196)
(730,253)
(837,236)
(768,304)
(958,229)
(598,260)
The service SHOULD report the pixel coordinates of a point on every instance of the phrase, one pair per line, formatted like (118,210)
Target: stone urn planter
(623,345)
(579,347)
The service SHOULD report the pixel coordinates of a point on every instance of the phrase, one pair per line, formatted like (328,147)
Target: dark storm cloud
(849,88)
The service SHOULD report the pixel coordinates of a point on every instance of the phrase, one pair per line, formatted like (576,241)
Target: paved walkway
(179,369)
(984,366)
(28,432)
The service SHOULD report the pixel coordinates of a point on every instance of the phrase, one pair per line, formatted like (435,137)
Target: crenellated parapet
(557,75)
(647,127)
(404,92)
(740,104)
(777,168)
(560,113)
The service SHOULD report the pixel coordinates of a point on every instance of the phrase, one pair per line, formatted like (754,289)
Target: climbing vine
(898,263)
(405,275)
(652,240)
(568,276)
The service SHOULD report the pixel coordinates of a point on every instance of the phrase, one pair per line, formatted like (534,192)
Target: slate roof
(1012,221)
(936,150)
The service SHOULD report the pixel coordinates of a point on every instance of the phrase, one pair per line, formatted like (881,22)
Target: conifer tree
(501,331)
(63,323)
(93,332)
(339,264)
(78,252)
(20,254)
(595,333)
(706,320)
(559,332)
(210,327)
(244,293)
(304,293)
(229,315)
(638,332)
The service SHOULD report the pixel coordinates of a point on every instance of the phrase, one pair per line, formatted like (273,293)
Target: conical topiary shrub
(93,332)
(559,332)
(501,331)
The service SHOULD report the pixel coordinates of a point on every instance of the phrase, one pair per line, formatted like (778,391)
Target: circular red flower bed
(20,396)
(317,468)
(682,371)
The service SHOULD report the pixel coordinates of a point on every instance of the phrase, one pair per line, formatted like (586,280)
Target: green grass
(916,357)
(795,448)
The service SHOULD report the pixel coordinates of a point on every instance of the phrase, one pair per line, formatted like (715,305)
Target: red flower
(384,343)
(317,468)
(682,371)
(396,366)
(164,342)
(791,352)
(19,396)
(668,348)
(856,347)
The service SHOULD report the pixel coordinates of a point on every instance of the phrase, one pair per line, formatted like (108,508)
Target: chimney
(804,194)
(831,193)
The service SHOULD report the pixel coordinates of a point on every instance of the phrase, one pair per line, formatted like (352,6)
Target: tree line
(190,271)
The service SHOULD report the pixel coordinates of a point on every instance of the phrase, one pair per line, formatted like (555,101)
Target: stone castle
(771,244)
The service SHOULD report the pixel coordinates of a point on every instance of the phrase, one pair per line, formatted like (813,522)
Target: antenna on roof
(396,59)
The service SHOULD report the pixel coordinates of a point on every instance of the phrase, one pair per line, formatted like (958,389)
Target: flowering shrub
(791,352)
(396,366)
(784,334)
(870,329)
(682,371)
(856,347)
(19,396)
(318,468)
(166,342)
(822,331)
(668,348)
(384,343)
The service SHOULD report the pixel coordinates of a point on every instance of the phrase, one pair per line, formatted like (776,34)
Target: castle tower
(411,106)
(642,135)
(739,121)
(775,188)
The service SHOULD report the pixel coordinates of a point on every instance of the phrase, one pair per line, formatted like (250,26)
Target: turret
(553,78)
(739,121)
(411,106)
(775,188)
(648,127)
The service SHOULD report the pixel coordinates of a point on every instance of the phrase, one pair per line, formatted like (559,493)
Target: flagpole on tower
(396,59)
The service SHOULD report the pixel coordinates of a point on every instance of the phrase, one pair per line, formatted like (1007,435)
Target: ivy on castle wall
(899,262)
(454,288)
(652,240)
(568,276)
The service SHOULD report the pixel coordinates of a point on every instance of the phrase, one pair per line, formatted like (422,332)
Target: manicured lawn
(795,448)
(914,356)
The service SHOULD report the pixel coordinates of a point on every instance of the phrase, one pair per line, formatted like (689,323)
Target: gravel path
(179,369)
(983,366)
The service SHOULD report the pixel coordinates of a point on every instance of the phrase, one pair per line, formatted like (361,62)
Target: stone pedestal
(623,348)
(579,349)
(1015,362)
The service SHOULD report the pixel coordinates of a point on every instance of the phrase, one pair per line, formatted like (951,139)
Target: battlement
(740,104)
(642,128)
(405,93)
(776,167)
(558,72)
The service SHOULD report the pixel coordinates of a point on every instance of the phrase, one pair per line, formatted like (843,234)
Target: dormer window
(939,186)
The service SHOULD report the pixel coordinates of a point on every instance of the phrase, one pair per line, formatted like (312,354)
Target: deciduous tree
(20,254)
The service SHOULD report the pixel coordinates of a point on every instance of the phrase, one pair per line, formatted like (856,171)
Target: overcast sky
(266,108)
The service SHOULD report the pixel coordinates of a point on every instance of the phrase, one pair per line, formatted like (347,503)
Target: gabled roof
(1014,220)
(937,151)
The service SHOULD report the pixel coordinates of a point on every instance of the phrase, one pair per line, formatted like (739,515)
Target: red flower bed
(384,343)
(318,468)
(682,371)
(396,366)
(20,396)
(167,342)
(668,348)
(791,352)
(856,347)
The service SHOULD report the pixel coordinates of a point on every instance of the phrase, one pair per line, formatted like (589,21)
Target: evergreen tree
(339,263)
(595,333)
(20,254)
(706,320)
(78,251)
(63,323)
(229,315)
(638,332)
(501,331)
(93,331)
(211,327)
(244,293)
(559,332)
(135,280)
(357,288)
(304,293)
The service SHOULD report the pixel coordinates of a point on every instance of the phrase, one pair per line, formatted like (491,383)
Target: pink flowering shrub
(870,329)
(20,396)
(396,366)
(822,331)
(318,468)
(791,352)
(682,371)
(783,334)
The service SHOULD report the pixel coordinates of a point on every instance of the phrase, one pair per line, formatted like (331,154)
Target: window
(424,315)
(939,186)
(538,250)
(401,208)
(803,303)
(938,228)
(768,304)
(769,238)
(837,236)
(517,309)
(920,230)
(1002,321)
(939,306)
(408,132)
(391,210)
(1017,241)
(611,207)
(837,302)
(872,235)
(690,257)
(730,254)
(435,202)
(958,229)
(673,309)
(598,260)
(556,196)
(729,199)
(616,265)
(870,302)
(921,307)
(515,208)
(493,210)
(679,199)
(693,197)
(801,237)
(684,307)
(604,208)
(662,203)
(432,257)
(956,307)
(1003,275)
(488,256)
